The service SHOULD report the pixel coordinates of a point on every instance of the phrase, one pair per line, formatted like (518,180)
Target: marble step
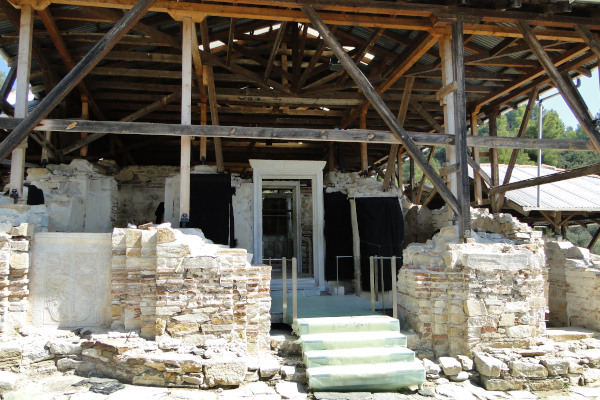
(365,355)
(351,340)
(366,323)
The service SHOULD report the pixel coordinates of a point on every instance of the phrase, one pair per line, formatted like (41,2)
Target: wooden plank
(230,40)
(477,168)
(212,97)
(364,161)
(422,181)
(590,39)
(493,126)
(397,130)
(557,177)
(426,116)
(275,48)
(74,77)
(579,110)
(401,118)
(460,116)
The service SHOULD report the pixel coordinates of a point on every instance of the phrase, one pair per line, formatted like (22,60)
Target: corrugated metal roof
(568,195)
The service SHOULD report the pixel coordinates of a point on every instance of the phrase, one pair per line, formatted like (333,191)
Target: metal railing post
(294,290)
(372,282)
(394,289)
(284,282)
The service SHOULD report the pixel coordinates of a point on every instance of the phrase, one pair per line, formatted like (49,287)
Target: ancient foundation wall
(574,285)
(487,292)
(171,285)
(79,196)
(14,277)
(141,190)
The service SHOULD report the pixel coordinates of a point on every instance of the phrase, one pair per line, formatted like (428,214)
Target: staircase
(365,353)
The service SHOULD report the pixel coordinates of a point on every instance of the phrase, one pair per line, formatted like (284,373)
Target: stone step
(570,333)
(366,323)
(351,340)
(366,377)
(365,355)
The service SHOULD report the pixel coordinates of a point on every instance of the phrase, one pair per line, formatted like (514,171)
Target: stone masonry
(487,292)
(171,285)
(574,280)
(14,282)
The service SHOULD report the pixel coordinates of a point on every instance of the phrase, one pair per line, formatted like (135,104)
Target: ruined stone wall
(14,279)
(141,190)
(79,196)
(176,286)
(574,280)
(461,297)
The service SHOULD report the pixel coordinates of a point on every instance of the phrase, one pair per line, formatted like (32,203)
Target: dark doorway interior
(210,206)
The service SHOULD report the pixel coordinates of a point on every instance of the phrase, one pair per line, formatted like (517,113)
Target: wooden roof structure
(280,79)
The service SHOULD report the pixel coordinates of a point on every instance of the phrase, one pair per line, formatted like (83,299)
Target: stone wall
(141,190)
(14,279)
(487,292)
(79,197)
(172,285)
(574,280)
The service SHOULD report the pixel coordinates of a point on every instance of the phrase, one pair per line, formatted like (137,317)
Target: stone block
(507,319)
(8,381)
(225,372)
(466,362)
(182,328)
(164,234)
(556,366)
(578,252)
(546,385)
(502,384)
(25,230)
(488,366)
(19,261)
(19,245)
(450,365)
(474,307)
(133,238)
(519,331)
(172,250)
(591,375)
(521,369)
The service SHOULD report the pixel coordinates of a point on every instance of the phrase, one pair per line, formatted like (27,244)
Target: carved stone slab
(70,279)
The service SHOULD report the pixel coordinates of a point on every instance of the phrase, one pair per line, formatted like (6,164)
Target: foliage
(581,236)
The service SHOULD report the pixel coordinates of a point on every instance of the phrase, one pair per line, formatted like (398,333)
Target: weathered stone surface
(269,366)
(431,367)
(502,384)
(67,364)
(225,372)
(62,347)
(546,384)
(474,308)
(343,396)
(149,380)
(291,390)
(488,366)
(556,366)
(519,331)
(521,369)
(466,362)
(460,377)
(10,355)
(454,392)
(591,375)
(450,365)
(8,381)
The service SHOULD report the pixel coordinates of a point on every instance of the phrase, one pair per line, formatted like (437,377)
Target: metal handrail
(373,283)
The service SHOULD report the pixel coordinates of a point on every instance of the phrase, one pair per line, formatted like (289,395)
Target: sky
(589,89)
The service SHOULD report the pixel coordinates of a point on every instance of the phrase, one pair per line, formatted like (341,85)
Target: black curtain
(381,230)
(210,202)
(338,236)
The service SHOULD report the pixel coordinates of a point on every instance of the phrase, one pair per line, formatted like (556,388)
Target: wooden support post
(412,179)
(17,164)
(88,62)
(580,110)
(400,177)
(212,96)
(45,153)
(199,69)
(375,99)
(85,114)
(186,116)
(460,119)
(364,161)
(476,177)
(448,102)
(494,160)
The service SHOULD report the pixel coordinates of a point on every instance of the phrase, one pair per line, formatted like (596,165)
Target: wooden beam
(493,126)
(131,117)
(275,48)
(186,117)
(542,180)
(401,117)
(313,61)
(212,97)
(590,39)
(477,168)
(74,77)
(6,88)
(397,130)
(364,160)
(579,110)
(230,40)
